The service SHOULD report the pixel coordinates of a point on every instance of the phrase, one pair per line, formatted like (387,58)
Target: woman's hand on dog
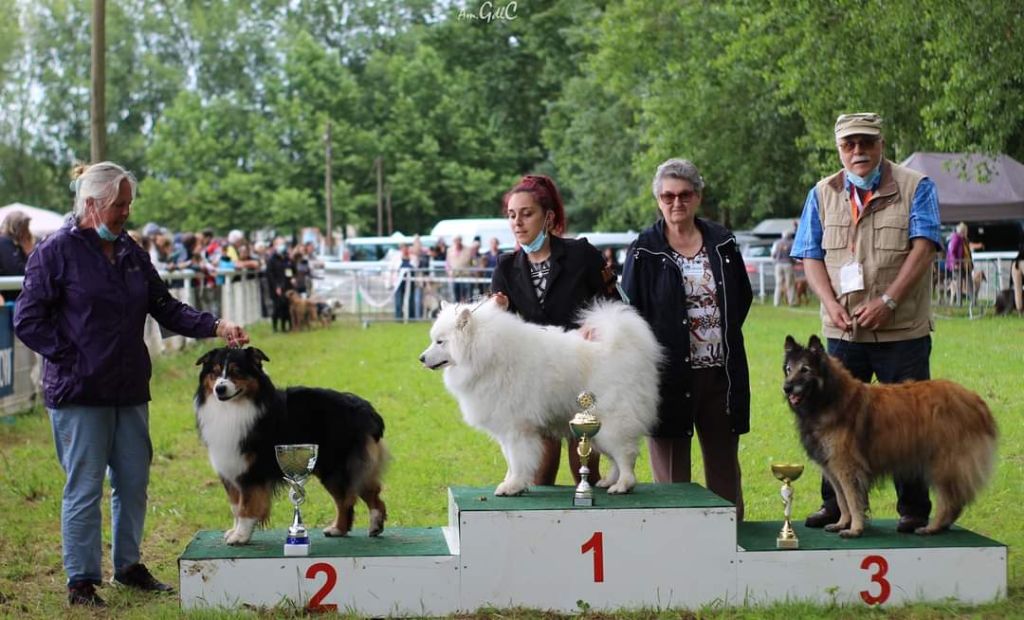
(501,299)
(232,333)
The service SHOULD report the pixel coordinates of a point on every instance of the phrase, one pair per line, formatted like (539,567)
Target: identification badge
(851,278)
(694,271)
(287,273)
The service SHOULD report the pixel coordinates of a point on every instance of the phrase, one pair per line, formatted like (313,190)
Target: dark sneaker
(84,593)
(138,576)
(825,516)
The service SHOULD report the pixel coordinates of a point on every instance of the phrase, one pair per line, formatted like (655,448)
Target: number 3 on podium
(596,544)
(884,587)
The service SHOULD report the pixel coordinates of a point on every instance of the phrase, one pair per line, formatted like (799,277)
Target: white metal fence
(232,294)
(952,285)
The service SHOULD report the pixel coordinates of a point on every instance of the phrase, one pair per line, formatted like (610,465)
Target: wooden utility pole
(328,188)
(391,226)
(379,162)
(98,151)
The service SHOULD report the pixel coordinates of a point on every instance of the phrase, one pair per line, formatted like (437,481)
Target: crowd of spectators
(460,262)
(205,253)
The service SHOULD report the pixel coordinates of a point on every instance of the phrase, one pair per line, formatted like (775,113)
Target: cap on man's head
(861,123)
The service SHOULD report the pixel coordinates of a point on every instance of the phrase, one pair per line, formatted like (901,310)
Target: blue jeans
(91,441)
(889,362)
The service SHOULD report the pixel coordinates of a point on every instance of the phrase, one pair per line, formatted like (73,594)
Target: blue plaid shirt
(924,220)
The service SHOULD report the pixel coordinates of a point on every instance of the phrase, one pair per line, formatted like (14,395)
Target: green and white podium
(661,546)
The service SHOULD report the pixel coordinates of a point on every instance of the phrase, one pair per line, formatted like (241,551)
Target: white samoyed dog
(518,382)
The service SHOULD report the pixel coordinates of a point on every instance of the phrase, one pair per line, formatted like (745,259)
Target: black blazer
(577,277)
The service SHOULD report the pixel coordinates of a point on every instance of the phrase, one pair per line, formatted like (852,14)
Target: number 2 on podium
(325,590)
(596,544)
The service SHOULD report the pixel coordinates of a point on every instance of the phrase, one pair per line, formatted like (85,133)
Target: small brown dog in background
(303,311)
(801,291)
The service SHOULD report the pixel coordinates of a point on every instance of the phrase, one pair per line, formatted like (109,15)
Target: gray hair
(101,182)
(682,169)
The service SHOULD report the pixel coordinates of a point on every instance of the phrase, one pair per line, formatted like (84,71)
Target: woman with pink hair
(547,280)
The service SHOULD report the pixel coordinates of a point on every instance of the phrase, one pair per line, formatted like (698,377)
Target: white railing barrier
(239,299)
(952,286)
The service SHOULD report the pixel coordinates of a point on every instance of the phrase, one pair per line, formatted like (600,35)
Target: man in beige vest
(868,237)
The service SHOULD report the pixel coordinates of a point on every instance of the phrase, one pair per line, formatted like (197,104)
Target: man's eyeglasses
(669,198)
(866,143)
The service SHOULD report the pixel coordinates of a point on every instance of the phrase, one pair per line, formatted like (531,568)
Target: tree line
(221,106)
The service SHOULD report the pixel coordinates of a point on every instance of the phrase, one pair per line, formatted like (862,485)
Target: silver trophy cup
(297,462)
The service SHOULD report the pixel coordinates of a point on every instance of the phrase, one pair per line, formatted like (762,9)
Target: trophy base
(787,543)
(582,501)
(296,546)
(292,549)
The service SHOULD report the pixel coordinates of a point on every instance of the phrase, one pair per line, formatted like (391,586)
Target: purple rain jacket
(85,316)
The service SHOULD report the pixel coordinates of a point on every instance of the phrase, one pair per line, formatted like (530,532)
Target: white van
(472,228)
(375,249)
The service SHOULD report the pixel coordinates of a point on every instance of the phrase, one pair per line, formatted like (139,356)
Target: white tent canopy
(42,222)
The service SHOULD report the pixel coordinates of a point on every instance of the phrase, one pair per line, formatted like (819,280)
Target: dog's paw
(604,483)
(510,487)
(334,532)
(237,538)
(619,488)
(927,530)
(228,534)
(850,533)
(376,523)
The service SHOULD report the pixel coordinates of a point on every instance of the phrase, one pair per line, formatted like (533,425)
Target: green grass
(433,449)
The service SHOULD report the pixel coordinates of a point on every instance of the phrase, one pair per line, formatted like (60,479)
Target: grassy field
(432,449)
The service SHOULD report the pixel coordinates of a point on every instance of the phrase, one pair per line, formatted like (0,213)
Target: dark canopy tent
(974,188)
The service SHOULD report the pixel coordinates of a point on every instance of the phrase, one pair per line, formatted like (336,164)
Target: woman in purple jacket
(83,305)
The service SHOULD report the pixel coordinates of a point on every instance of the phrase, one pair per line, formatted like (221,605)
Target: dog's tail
(625,341)
(962,467)
(979,447)
(622,329)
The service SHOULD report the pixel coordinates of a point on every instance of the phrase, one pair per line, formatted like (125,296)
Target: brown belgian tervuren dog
(859,433)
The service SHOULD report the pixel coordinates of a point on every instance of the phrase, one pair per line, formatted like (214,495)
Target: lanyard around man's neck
(857,207)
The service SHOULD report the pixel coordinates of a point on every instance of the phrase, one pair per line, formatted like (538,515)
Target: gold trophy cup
(584,425)
(787,473)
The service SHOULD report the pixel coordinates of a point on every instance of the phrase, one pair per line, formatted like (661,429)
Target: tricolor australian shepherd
(241,416)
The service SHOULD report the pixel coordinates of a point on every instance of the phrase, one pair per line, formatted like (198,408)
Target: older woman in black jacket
(685,276)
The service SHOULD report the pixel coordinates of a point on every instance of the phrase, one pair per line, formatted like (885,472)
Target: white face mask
(101,229)
(538,241)
(536,244)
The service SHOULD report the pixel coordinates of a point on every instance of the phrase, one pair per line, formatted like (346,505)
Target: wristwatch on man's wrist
(889,301)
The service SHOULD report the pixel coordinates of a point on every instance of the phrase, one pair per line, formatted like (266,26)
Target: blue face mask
(105,233)
(867,182)
(281,249)
(536,244)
